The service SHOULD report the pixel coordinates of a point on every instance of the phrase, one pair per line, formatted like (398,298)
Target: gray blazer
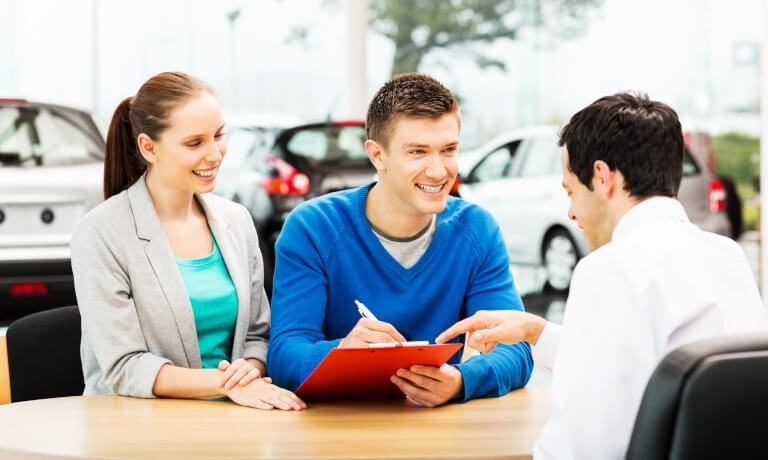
(136,314)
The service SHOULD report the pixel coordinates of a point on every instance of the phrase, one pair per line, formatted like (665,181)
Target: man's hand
(486,329)
(370,331)
(429,386)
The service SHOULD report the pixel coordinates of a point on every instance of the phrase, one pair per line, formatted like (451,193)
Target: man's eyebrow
(423,146)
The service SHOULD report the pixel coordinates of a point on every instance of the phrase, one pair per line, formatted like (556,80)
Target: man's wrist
(534,328)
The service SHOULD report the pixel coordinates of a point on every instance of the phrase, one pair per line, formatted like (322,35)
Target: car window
(497,164)
(329,143)
(690,168)
(542,157)
(31,136)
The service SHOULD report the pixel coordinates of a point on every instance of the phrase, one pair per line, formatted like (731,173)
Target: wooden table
(119,427)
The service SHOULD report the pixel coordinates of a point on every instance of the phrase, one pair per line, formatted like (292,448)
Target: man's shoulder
(469,216)
(334,205)
(641,251)
(325,217)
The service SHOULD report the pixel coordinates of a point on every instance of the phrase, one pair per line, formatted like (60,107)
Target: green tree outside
(737,156)
(417,27)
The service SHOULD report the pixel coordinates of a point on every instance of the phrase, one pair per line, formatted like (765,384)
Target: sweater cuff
(471,371)
(545,350)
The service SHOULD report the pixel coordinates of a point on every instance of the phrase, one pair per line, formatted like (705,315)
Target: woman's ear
(147,148)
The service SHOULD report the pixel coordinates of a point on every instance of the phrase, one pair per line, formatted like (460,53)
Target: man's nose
(436,169)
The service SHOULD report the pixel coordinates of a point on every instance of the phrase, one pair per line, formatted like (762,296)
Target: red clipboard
(356,373)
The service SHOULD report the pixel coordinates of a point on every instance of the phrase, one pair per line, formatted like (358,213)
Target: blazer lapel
(235,259)
(160,256)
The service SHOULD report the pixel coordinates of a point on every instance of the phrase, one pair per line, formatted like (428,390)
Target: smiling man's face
(419,163)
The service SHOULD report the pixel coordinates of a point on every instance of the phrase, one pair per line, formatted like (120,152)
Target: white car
(51,172)
(517,177)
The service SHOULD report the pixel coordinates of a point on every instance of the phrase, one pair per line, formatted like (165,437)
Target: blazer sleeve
(110,324)
(257,338)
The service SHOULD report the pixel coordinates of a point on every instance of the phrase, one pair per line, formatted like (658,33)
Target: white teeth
(207,173)
(430,188)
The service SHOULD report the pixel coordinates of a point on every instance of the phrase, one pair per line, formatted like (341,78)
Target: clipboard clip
(415,343)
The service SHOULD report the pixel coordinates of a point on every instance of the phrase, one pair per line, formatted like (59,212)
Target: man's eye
(193,144)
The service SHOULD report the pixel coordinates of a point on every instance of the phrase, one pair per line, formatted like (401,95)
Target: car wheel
(559,258)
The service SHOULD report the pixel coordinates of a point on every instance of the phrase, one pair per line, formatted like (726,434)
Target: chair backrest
(707,399)
(44,355)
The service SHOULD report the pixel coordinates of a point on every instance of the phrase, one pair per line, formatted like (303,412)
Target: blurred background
(294,78)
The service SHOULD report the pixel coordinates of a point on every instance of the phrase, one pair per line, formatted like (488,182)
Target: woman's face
(188,154)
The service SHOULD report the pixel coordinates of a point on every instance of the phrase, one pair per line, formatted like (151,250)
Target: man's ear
(603,179)
(376,155)
(147,148)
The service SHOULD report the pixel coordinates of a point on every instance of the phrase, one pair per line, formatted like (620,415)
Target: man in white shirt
(652,282)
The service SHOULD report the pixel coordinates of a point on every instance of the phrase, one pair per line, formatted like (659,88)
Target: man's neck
(387,214)
(619,208)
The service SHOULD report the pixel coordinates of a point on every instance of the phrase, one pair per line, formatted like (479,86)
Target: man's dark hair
(406,95)
(633,134)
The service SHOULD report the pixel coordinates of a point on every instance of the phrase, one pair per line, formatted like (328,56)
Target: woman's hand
(240,372)
(262,394)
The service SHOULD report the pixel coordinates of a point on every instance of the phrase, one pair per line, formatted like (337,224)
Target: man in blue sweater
(419,259)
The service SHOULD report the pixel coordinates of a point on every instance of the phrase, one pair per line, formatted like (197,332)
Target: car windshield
(47,136)
(329,143)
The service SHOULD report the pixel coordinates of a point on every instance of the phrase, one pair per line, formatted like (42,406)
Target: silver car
(51,168)
(517,177)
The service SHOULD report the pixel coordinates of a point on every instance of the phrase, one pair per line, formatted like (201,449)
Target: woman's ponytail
(122,163)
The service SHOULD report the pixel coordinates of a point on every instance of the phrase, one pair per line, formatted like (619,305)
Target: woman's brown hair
(147,112)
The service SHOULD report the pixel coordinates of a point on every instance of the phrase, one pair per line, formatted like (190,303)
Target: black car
(273,170)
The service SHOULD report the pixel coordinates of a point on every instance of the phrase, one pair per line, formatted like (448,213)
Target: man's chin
(435,207)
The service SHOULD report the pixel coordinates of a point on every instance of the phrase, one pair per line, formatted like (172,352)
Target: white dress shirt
(660,283)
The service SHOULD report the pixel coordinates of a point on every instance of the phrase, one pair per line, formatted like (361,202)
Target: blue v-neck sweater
(328,256)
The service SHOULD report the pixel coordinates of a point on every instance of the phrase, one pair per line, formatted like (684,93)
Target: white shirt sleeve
(545,350)
(596,388)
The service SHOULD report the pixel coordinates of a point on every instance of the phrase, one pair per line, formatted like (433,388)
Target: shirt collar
(650,209)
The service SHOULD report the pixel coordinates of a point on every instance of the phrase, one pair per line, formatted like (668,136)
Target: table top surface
(121,427)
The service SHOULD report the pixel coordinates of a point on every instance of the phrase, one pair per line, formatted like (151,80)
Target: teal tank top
(214,304)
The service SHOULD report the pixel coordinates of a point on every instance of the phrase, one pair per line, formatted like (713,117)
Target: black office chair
(708,399)
(44,355)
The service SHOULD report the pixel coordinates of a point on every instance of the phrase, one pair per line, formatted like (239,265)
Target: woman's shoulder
(111,212)
(107,221)
(227,210)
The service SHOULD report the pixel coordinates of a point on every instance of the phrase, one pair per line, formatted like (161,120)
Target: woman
(169,279)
